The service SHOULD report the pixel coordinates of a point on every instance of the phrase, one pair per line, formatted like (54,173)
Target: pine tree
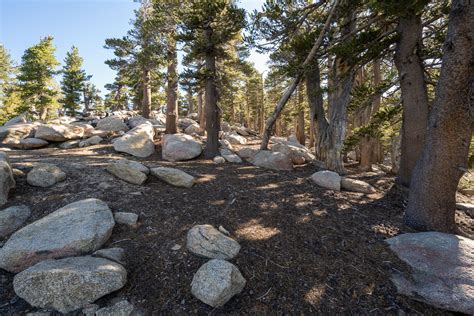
(73,81)
(207,26)
(9,98)
(38,89)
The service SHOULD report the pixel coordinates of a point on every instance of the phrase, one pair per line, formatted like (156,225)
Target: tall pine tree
(72,84)
(37,86)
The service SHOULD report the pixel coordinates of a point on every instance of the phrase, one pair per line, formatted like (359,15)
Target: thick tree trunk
(414,95)
(86,100)
(369,145)
(432,200)
(316,105)
(211,109)
(172,88)
(300,134)
(146,100)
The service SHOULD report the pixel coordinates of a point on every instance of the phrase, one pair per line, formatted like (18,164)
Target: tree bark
(189,96)
(414,94)
(172,88)
(432,199)
(201,110)
(370,145)
(211,109)
(300,134)
(146,100)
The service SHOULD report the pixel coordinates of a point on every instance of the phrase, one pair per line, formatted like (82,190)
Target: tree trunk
(395,153)
(189,96)
(211,109)
(201,110)
(172,88)
(146,100)
(432,200)
(414,94)
(370,145)
(300,135)
(316,105)
(86,100)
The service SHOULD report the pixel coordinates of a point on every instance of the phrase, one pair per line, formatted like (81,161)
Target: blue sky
(83,23)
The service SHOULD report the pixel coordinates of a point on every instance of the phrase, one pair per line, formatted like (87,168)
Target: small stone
(122,308)
(70,144)
(45,175)
(176,247)
(126,218)
(218,159)
(105,186)
(356,186)
(135,165)
(208,242)
(94,140)
(216,282)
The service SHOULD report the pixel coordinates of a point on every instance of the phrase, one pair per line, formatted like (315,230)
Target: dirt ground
(305,250)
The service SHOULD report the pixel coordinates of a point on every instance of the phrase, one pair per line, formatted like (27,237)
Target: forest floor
(305,249)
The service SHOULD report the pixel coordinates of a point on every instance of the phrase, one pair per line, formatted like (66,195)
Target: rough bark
(414,94)
(172,87)
(146,100)
(211,109)
(300,134)
(432,199)
(201,110)
(189,96)
(370,145)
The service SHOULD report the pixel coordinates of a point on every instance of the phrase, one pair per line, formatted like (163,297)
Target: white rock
(225,144)
(13,133)
(272,160)
(135,165)
(70,144)
(112,124)
(13,218)
(75,229)
(69,284)
(137,142)
(247,152)
(193,129)
(184,123)
(218,159)
(356,186)
(45,175)
(174,176)
(16,120)
(442,271)
(59,133)
(216,282)
(127,173)
(126,218)
(235,138)
(178,147)
(298,154)
(232,158)
(208,242)
(327,179)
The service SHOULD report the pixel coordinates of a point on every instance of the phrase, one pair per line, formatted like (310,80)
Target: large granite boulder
(69,284)
(173,176)
(216,282)
(178,147)
(13,218)
(442,269)
(235,138)
(298,154)
(134,164)
(327,179)
(206,241)
(59,133)
(45,175)
(137,142)
(272,160)
(112,124)
(7,181)
(12,134)
(75,229)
